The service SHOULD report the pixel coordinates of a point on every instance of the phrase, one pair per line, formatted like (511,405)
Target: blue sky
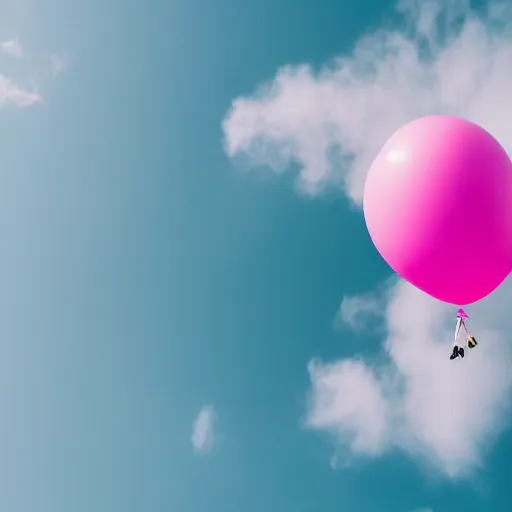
(193,315)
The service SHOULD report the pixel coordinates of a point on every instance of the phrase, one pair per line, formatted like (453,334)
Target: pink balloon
(438,206)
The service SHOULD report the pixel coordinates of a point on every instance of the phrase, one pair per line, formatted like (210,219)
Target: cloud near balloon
(332,123)
(444,59)
(416,400)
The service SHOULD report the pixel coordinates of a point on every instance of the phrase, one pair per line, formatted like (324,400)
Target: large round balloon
(438,206)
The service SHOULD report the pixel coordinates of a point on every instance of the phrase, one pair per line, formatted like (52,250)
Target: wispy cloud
(13,48)
(444,58)
(360,313)
(332,123)
(11,93)
(202,430)
(58,63)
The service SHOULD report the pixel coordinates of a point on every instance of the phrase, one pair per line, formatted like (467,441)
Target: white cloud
(13,48)
(14,94)
(202,430)
(58,64)
(360,312)
(445,59)
(10,91)
(445,413)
